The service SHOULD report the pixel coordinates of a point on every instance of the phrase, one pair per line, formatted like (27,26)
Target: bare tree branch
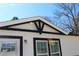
(69,11)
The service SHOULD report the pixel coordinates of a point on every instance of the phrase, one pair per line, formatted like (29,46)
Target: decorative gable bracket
(39,25)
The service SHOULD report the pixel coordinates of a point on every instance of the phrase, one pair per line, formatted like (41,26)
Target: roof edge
(31,19)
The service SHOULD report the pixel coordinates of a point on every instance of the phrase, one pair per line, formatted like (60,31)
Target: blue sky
(24,10)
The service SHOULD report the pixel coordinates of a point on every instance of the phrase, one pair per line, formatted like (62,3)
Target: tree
(69,12)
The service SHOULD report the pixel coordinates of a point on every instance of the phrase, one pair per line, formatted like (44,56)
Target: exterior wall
(25,26)
(31,26)
(69,44)
(47,28)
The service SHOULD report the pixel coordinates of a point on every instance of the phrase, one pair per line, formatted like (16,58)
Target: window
(11,45)
(42,47)
(54,48)
(8,47)
(46,47)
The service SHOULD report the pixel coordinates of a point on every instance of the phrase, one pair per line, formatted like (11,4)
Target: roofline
(7,23)
(55,26)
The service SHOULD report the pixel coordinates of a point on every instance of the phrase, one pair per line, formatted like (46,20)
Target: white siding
(26,26)
(69,44)
(32,26)
(49,29)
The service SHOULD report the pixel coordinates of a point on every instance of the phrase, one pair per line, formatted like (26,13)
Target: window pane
(57,54)
(54,47)
(41,47)
(8,47)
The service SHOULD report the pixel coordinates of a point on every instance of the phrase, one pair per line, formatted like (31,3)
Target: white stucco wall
(69,44)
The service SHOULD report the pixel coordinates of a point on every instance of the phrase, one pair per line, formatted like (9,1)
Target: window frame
(49,54)
(15,37)
(58,47)
(38,54)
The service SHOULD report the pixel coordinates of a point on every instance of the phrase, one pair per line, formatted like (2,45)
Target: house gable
(38,25)
(31,26)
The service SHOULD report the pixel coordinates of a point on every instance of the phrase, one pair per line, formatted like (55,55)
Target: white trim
(30,19)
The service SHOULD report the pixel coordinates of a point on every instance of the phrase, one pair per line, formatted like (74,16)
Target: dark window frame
(15,37)
(34,44)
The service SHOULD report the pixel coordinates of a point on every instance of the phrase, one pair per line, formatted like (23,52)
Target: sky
(24,10)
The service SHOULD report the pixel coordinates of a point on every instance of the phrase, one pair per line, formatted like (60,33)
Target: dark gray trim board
(15,37)
(34,31)
(28,30)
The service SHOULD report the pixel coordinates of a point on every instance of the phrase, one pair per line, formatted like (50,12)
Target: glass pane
(42,47)
(57,54)
(54,47)
(8,47)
